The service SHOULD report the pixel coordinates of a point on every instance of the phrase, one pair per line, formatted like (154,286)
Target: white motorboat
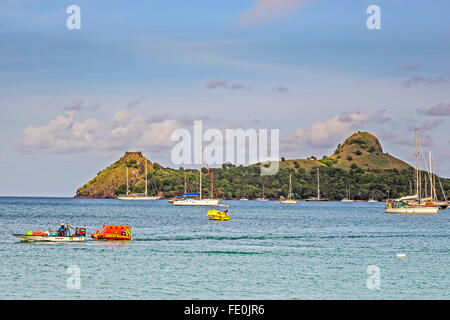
(40,238)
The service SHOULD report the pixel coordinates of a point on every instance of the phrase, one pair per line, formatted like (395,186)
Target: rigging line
(424,159)
(210,176)
(428,170)
(440,183)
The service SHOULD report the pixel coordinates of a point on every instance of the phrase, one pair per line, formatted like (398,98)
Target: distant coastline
(358,169)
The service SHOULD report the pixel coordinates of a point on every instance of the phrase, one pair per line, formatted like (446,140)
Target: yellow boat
(214,214)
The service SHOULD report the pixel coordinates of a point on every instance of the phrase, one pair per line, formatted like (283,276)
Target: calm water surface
(266,251)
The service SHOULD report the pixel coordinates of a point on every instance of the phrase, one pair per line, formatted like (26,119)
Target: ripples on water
(266,251)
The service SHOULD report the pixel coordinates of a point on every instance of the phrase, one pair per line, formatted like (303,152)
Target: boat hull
(442,205)
(196,202)
(288,201)
(413,210)
(35,238)
(138,198)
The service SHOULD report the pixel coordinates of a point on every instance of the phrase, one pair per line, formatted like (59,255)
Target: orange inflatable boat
(109,232)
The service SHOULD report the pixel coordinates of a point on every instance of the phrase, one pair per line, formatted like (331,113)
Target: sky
(73,101)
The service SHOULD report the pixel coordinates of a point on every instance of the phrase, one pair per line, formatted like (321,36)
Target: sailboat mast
(185,182)
(127,181)
(146,178)
(200,172)
(432,191)
(318,183)
(290,186)
(417,163)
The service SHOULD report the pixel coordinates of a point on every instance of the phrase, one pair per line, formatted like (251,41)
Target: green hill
(107,182)
(359,163)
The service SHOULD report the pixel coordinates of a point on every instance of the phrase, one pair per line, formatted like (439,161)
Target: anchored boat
(319,198)
(145,196)
(289,199)
(263,196)
(420,203)
(187,201)
(399,206)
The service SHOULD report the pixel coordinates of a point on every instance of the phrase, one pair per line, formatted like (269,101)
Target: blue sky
(150,64)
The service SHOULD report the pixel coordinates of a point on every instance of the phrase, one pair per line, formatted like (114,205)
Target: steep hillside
(108,181)
(364,150)
(360,150)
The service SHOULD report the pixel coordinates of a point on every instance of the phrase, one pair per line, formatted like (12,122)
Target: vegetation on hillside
(234,182)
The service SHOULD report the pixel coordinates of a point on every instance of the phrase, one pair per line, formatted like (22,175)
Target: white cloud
(265,11)
(323,134)
(123,131)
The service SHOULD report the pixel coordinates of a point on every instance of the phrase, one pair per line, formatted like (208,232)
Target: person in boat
(62,231)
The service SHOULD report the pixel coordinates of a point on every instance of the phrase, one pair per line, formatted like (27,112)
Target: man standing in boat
(62,231)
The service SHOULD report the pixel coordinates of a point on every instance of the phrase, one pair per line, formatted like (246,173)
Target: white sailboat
(348,199)
(372,197)
(318,190)
(134,196)
(415,204)
(289,199)
(243,198)
(263,197)
(187,201)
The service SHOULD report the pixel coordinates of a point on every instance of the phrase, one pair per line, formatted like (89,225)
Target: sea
(268,250)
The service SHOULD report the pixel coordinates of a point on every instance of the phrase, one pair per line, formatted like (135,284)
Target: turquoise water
(266,251)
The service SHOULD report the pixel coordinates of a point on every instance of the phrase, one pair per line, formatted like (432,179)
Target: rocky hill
(107,182)
(361,149)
